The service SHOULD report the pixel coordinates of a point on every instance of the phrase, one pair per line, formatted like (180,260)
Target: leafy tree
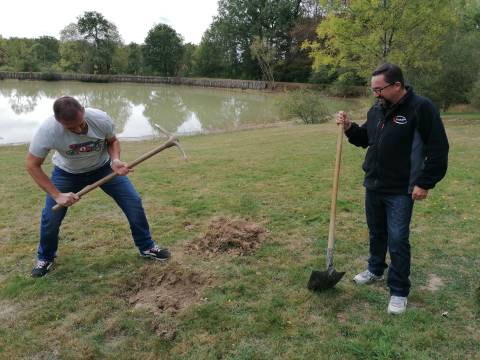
(458,58)
(163,50)
(361,34)
(458,71)
(46,49)
(20,55)
(211,58)
(135,59)
(237,25)
(103,37)
(73,50)
(71,33)
(3,52)
(187,60)
(120,60)
(264,53)
(297,65)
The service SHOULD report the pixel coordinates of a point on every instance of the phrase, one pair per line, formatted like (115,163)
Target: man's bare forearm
(114,148)
(42,180)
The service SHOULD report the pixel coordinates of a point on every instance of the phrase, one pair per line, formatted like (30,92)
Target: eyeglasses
(379,90)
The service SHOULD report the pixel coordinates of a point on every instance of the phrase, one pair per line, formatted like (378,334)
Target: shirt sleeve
(110,127)
(42,143)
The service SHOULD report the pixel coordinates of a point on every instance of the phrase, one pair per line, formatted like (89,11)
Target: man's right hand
(342,119)
(66,199)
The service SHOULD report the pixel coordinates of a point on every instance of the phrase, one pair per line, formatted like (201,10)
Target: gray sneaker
(156,253)
(366,277)
(397,305)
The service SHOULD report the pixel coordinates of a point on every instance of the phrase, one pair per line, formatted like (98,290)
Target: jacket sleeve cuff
(424,186)
(352,129)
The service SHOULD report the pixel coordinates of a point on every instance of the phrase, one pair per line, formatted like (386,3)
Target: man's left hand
(418,193)
(120,167)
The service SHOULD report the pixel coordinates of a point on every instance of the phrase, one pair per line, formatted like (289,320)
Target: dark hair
(66,108)
(392,73)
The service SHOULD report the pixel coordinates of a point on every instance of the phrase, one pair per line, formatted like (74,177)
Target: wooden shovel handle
(333,205)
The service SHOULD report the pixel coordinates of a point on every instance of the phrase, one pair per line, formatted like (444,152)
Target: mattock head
(173,138)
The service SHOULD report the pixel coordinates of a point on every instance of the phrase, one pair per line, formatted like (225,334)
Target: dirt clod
(166,331)
(434,283)
(168,291)
(229,235)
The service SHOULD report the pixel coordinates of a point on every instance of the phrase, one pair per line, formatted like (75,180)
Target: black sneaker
(156,253)
(42,268)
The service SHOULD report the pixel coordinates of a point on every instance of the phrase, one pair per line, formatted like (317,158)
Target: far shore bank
(199,82)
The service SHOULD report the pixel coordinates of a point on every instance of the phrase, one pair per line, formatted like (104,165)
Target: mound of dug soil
(226,235)
(168,291)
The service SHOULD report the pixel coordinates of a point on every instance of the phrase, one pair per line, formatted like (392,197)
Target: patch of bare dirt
(188,226)
(5,235)
(168,291)
(229,235)
(434,283)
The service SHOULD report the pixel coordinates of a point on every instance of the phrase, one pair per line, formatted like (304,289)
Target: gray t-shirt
(75,153)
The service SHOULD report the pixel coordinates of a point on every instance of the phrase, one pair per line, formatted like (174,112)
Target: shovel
(322,280)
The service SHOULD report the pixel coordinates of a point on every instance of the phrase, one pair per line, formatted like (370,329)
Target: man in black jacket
(407,155)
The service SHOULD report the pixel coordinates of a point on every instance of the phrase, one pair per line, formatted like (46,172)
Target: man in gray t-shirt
(86,150)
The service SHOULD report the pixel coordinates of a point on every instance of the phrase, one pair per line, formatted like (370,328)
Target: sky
(34,18)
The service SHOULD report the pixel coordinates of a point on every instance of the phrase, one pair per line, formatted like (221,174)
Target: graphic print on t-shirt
(86,147)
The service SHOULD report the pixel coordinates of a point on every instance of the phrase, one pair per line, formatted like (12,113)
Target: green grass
(256,306)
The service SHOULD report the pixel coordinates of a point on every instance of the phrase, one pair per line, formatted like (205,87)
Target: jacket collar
(405,98)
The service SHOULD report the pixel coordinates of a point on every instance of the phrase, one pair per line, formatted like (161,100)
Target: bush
(306,105)
(348,84)
(342,90)
(323,75)
(90,78)
(49,76)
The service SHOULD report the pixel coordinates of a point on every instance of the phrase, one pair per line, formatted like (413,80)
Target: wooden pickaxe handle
(172,141)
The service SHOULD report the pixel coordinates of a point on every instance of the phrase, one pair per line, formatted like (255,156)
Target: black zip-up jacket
(407,145)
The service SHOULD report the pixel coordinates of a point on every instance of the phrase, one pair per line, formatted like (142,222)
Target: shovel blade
(323,280)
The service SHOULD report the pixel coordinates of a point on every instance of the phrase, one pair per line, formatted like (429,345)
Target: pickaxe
(171,141)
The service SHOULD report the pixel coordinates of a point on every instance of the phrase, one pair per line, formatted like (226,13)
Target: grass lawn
(245,307)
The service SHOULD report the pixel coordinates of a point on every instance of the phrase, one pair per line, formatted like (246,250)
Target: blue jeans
(388,219)
(119,188)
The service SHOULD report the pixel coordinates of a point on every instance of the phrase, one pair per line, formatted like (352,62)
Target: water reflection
(190,126)
(133,107)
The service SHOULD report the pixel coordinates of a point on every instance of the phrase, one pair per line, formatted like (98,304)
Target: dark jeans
(119,188)
(388,219)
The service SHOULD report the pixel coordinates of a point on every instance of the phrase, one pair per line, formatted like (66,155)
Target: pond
(135,107)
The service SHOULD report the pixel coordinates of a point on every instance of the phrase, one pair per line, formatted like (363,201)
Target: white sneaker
(366,277)
(397,305)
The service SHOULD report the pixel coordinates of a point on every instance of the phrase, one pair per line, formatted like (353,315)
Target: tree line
(331,42)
